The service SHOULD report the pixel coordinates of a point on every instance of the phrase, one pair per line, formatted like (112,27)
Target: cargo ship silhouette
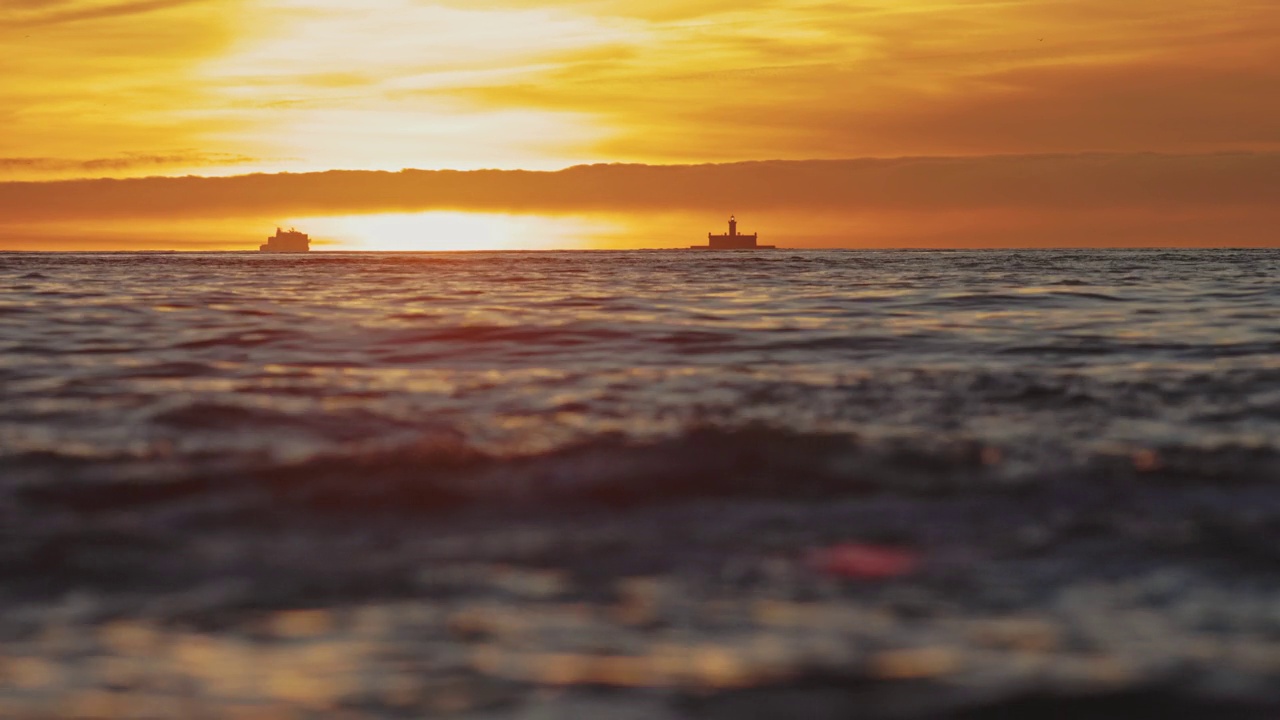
(287,241)
(732,240)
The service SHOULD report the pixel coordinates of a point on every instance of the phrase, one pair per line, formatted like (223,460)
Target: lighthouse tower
(733,226)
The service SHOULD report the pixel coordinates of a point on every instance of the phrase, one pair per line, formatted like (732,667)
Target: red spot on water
(864,562)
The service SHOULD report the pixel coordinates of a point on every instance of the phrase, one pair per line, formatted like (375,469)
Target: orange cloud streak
(318,84)
(128,88)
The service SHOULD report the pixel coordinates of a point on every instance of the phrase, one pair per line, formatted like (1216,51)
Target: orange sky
(127,88)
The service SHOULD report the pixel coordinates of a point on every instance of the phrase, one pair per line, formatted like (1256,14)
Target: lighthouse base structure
(741,242)
(732,241)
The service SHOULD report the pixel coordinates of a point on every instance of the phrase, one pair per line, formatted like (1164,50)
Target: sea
(460,470)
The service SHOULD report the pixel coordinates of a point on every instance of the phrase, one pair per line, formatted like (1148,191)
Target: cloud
(1047,182)
(886,79)
(650,10)
(109,79)
(52,12)
(320,84)
(71,167)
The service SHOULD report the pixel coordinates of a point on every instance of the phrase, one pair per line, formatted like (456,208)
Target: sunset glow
(107,88)
(624,359)
(415,232)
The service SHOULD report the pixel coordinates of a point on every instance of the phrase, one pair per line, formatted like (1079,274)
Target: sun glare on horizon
(450,231)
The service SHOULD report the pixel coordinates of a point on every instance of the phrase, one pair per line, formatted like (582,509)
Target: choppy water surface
(116,365)
(154,404)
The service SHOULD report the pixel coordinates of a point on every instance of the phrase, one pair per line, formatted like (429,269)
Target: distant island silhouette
(732,240)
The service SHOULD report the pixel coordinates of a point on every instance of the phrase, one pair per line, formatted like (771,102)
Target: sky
(138,88)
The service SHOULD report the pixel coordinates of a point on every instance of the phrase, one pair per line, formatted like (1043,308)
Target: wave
(441,473)
(1003,300)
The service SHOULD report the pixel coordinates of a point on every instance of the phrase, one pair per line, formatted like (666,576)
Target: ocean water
(160,367)
(192,440)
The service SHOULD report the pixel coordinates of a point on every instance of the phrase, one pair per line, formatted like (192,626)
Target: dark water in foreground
(197,441)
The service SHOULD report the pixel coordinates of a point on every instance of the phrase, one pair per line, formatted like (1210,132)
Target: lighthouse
(733,240)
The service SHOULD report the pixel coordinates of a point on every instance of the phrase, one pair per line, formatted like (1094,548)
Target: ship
(733,240)
(287,241)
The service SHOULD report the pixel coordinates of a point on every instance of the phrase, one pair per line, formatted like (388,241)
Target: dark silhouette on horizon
(287,241)
(732,240)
